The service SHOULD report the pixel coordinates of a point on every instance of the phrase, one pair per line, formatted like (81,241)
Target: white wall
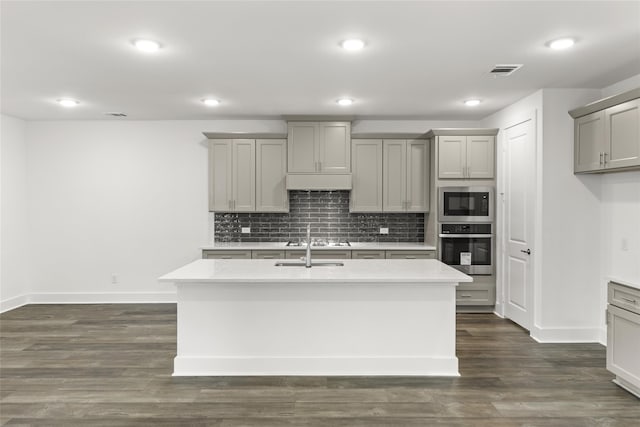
(620,218)
(126,198)
(14,270)
(571,264)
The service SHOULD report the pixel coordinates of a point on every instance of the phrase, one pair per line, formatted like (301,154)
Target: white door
(519,148)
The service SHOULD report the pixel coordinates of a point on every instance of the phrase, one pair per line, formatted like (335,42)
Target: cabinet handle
(632,301)
(410,257)
(465,296)
(230,206)
(604,158)
(226,257)
(600,159)
(268,257)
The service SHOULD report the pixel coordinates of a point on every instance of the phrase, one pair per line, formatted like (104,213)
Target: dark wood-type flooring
(111,364)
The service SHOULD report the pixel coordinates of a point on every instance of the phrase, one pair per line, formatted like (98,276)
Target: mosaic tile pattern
(328,213)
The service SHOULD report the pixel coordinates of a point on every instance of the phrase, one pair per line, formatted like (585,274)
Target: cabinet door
(417,199)
(271,171)
(366,166)
(220,175)
(244,175)
(622,130)
(394,177)
(302,147)
(589,142)
(334,147)
(623,344)
(452,156)
(480,156)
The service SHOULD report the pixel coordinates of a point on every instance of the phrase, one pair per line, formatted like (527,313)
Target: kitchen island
(365,317)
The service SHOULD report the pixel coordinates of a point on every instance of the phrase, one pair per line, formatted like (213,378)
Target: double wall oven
(466,228)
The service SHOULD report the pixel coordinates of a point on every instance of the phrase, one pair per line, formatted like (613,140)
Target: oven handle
(466,235)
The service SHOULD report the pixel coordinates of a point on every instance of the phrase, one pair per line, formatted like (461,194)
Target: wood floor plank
(111,364)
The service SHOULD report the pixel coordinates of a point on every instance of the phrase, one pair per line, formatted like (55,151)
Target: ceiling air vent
(505,69)
(115,114)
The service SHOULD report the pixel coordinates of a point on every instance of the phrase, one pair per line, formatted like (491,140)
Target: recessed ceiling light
(68,102)
(210,102)
(146,45)
(352,44)
(345,101)
(472,102)
(563,43)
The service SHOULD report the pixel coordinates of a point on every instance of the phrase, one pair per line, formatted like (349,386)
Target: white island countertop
(379,246)
(353,271)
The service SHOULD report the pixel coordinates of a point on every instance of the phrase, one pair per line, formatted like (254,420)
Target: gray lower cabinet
(475,294)
(268,254)
(368,254)
(623,336)
(410,254)
(323,254)
(226,254)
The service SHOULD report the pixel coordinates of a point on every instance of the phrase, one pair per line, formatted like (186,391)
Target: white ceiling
(267,58)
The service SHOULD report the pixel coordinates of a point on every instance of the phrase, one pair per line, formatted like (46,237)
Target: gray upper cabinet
(607,134)
(589,142)
(271,170)
(466,157)
(622,135)
(405,176)
(366,167)
(319,147)
(232,175)
(247,175)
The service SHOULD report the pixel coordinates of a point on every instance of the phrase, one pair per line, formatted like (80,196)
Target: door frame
(536,246)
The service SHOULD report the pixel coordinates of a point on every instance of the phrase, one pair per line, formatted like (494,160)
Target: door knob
(528,251)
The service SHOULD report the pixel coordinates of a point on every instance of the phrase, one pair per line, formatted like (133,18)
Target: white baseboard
(15,302)
(323,366)
(566,335)
(88,298)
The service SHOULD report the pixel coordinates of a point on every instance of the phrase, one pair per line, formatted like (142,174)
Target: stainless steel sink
(313,264)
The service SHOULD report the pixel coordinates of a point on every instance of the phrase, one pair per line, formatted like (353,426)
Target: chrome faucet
(308,257)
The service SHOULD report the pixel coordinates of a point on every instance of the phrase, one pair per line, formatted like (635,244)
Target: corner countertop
(625,283)
(384,271)
(391,246)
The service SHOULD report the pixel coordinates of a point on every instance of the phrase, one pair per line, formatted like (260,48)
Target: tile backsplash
(328,213)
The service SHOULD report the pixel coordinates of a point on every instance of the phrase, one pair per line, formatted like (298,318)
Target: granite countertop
(400,246)
(427,271)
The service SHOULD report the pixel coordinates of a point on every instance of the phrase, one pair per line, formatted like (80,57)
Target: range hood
(319,182)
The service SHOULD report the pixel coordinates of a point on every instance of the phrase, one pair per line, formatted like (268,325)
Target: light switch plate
(384,230)
(245,230)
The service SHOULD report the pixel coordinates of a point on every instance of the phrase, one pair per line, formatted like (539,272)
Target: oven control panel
(459,228)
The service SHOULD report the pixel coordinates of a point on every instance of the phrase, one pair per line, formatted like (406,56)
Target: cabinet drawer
(216,254)
(624,297)
(473,297)
(267,254)
(368,254)
(410,254)
(324,254)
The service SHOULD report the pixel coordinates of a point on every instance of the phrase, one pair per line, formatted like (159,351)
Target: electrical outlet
(245,230)
(384,230)
(114,279)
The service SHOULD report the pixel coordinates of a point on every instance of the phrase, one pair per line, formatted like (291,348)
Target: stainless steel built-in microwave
(465,204)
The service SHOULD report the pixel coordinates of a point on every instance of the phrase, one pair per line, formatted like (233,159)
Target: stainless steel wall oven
(467,247)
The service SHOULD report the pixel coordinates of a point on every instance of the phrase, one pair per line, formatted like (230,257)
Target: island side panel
(316,329)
